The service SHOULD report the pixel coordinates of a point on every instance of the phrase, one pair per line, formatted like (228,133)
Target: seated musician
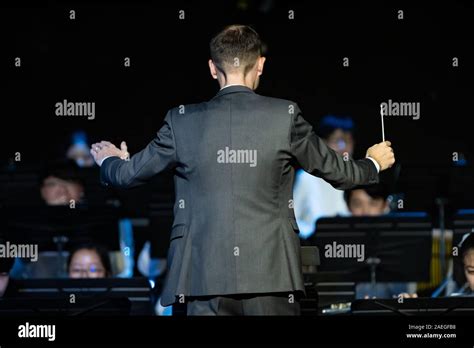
(89,261)
(466,253)
(372,201)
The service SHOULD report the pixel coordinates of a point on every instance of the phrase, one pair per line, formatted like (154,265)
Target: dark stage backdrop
(82,59)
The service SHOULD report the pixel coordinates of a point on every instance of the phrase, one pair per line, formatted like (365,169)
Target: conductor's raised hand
(105,149)
(383,154)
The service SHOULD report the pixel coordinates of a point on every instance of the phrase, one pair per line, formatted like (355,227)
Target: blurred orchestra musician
(61,184)
(89,261)
(373,201)
(464,264)
(313,197)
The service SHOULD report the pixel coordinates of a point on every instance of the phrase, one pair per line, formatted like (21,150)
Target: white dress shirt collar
(235,84)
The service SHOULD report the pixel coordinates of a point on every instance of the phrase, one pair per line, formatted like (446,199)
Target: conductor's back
(234,246)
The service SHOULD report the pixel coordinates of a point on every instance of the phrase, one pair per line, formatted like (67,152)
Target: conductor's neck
(237,80)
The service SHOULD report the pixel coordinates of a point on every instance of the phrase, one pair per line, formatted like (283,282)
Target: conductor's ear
(260,63)
(212,69)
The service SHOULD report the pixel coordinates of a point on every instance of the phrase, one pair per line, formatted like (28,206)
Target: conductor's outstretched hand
(383,154)
(105,149)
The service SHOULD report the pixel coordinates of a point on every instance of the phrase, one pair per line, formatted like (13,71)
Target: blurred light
(243,5)
(152,283)
(341,144)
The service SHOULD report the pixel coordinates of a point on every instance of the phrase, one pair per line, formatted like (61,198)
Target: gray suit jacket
(234,159)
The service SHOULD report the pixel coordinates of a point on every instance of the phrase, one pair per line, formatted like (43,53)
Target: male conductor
(234,246)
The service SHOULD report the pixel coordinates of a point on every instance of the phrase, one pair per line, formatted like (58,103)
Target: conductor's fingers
(123,146)
(106,143)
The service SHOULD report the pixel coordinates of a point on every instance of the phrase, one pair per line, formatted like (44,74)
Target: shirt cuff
(375,163)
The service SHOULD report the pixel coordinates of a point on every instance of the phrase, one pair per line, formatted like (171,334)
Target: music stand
(61,306)
(58,228)
(415,306)
(121,296)
(397,248)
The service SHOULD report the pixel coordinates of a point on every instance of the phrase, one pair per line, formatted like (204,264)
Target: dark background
(407,60)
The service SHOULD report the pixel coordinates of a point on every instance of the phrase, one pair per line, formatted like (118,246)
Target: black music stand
(397,248)
(59,228)
(105,296)
(61,306)
(445,306)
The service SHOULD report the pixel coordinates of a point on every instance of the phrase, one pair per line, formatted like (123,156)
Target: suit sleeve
(159,155)
(318,159)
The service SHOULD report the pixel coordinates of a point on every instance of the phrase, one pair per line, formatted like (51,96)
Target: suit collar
(234,89)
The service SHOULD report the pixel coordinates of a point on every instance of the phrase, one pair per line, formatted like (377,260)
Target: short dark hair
(374,191)
(101,251)
(330,123)
(466,245)
(239,42)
